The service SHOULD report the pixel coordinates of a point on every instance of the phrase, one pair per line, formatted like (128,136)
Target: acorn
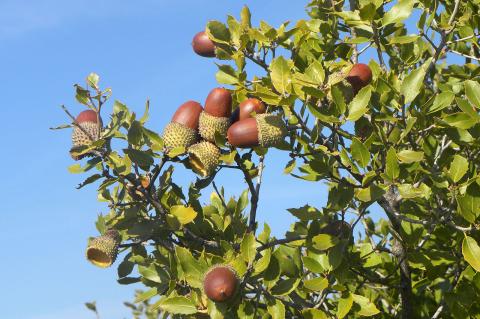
(182,131)
(246,108)
(220,283)
(264,130)
(338,228)
(85,132)
(202,45)
(216,116)
(360,75)
(204,157)
(103,250)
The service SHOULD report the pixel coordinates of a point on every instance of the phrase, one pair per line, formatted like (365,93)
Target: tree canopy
(406,140)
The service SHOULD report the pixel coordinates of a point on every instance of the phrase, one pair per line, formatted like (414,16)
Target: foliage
(407,142)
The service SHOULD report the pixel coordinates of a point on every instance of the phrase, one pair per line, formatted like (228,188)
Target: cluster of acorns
(195,128)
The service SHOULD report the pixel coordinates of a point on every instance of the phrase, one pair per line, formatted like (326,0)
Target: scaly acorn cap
(271,129)
(179,135)
(209,125)
(204,158)
(220,283)
(103,250)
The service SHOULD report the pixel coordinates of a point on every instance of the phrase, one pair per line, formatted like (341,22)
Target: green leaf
(367,308)
(218,32)
(305,213)
(313,313)
(392,168)
(192,268)
(399,12)
(226,75)
(176,305)
(324,241)
(280,74)
(263,262)
(146,295)
(316,72)
(247,247)
(468,205)
(277,310)
(471,252)
(458,168)
(141,158)
(245,17)
(135,133)
(472,91)
(461,120)
(184,214)
(412,84)
(92,80)
(316,284)
(442,101)
(344,305)
(360,152)
(409,156)
(359,104)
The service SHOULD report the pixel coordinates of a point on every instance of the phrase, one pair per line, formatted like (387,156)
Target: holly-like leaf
(184,214)
(176,305)
(472,91)
(344,305)
(458,168)
(412,84)
(367,308)
(359,105)
(399,12)
(471,252)
(409,156)
(324,241)
(360,152)
(280,72)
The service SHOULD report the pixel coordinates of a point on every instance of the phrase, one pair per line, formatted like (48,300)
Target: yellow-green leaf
(184,214)
(471,252)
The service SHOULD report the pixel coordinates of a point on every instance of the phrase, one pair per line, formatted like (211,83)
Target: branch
(254,202)
(390,203)
(280,242)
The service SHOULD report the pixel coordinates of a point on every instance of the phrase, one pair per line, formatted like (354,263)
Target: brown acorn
(220,283)
(246,108)
(202,45)
(360,75)
(215,118)
(264,130)
(182,131)
(85,132)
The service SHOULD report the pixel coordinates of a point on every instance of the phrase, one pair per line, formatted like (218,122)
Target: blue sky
(142,50)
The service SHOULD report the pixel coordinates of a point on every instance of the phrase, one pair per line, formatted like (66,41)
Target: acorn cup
(103,250)
(265,130)
(85,132)
(182,131)
(246,108)
(204,157)
(215,119)
(203,46)
(220,283)
(360,75)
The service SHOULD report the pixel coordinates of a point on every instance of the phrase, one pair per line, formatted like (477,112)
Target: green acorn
(220,283)
(264,130)
(182,131)
(103,250)
(204,157)
(85,132)
(216,117)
